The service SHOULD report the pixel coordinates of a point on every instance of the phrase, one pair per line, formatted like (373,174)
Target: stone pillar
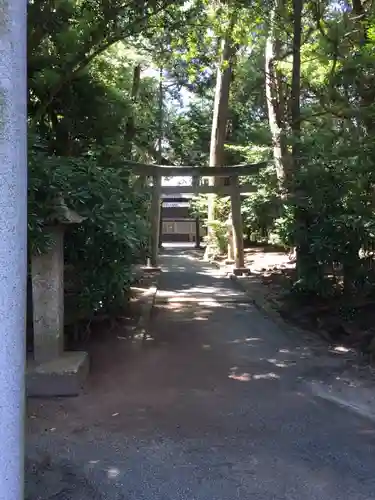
(197,220)
(47,272)
(54,371)
(161,225)
(197,232)
(155,220)
(237,226)
(13,241)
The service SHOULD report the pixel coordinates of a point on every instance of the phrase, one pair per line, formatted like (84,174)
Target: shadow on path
(212,405)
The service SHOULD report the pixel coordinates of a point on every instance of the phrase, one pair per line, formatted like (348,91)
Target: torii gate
(234,190)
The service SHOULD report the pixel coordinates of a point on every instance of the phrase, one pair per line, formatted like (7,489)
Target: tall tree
(276,93)
(224,75)
(302,214)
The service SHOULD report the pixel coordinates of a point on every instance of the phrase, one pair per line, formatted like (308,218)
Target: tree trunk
(130,125)
(219,124)
(161,117)
(364,80)
(305,263)
(275,95)
(160,145)
(295,96)
(221,106)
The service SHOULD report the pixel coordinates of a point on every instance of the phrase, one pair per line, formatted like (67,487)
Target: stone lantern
(53,372)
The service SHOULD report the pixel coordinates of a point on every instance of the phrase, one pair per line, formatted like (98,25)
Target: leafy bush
(261,208)
(217,238)
(102,250)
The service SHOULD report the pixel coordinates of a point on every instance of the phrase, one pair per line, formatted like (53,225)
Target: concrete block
(63,376)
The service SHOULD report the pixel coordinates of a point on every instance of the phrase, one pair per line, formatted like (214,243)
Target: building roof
(172,204)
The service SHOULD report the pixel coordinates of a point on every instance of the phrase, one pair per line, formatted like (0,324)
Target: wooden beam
(190,171)
(220,190)
(211,171)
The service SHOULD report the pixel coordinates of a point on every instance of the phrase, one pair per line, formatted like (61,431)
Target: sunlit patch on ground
(113,472)
(243,377)
(236,374)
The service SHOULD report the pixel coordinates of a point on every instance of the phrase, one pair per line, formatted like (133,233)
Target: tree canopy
(297,88)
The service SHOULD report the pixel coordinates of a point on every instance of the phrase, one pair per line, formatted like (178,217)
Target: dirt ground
(216,402)
(113,348)
(351,323)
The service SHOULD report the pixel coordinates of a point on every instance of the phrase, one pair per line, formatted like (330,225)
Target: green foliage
(189,135)
(81,101)
(331,213)
(199,207)
(81,57)
(103,248)
(218,238)
(261,208)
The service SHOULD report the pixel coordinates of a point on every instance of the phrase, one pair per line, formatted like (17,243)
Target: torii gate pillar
(13,240)
(155,221)
(239,257)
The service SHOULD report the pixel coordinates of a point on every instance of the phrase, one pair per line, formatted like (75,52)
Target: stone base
(152,269)
(241,271)
(63,376)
